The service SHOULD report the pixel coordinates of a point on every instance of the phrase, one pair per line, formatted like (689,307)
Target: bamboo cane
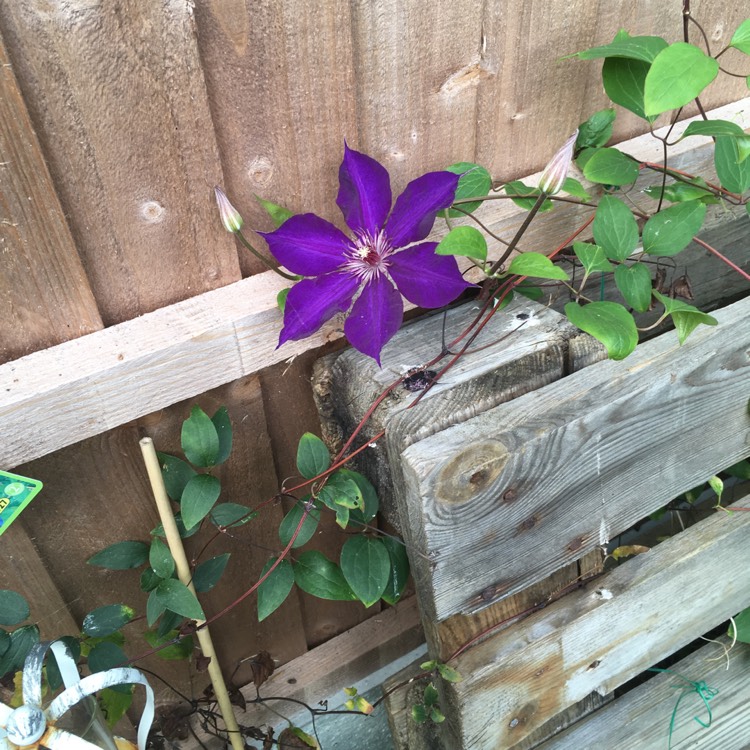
(183,572)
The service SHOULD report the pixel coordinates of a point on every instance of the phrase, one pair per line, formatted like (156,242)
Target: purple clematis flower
(358,273)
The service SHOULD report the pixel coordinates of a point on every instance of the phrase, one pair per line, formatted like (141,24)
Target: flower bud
(230,217)
(556,171)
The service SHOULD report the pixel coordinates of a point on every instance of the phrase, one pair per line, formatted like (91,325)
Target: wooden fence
(124,298)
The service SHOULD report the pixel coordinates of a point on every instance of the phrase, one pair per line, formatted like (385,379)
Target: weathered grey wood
(597,638)
(640,718)
(526,347)
(506,498)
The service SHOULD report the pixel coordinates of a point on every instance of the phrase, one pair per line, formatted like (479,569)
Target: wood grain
(573,462)
(640,718)
(117,95)
(600,637)
(46,295)
(535,99)
(281,88)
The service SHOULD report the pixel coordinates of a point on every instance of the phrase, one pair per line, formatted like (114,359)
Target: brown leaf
(288,740)
(174,720)
(268,741)
(262,666)
(237,699)
(202,662)
(682,288)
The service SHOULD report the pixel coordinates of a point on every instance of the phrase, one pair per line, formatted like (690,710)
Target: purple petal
(426,279)
(311,302)
(307,245)
(364,192)
(374,318)
(415,209)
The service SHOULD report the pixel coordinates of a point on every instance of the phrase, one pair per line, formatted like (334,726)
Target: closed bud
(556,171)
(230,216)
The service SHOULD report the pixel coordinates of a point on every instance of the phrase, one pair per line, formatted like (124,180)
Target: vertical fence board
(417,74)
(536,99)
(118,99)
(281,87)
(46,296)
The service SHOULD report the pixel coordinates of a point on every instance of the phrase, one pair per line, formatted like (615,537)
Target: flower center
(367,256)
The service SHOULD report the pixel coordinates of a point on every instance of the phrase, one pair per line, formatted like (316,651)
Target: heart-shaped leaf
(607,322)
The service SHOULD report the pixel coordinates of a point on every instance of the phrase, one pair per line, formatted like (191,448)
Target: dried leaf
(268,742)
(682,288)
(628,550)
(202,662)
(289,739)
(237,699)
(174,720)
(262,666)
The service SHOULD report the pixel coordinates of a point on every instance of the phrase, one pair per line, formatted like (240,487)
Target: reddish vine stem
(722,257)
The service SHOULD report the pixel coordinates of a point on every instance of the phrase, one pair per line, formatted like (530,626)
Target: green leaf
(741,469)
(106,655)
(106,620)
(160,558)
(592,257)
(475,181)
(13,607)
(200,495)
(121,556)
(644,48)
(448,673)
(537,265)
(231,515)
(733,173)
(200,440)
(742,624)
(155,606)
(181,530)
(611,167)
(634,283)
(208,573)
(366,566)
(518,188)
(224,431)
(300,734)
(571,186)
(114,703)
(312,456)
(4,641)
(713,128)
(678,75)
(315,574)
(21,641)
(168,623)
(54,678)
(428,666)
(149,579)
(436,715)
(275,589)
(342,516)
(182,649)
(624,83)
(465,241)
(342,490)
(672,230)
(419,713)
(292,521)
(369,496)
(176,596)
(281,298)
(686,318)
(278,214)
(607,322)
(681,192)
(430,695)
(596,131)
(741,37)
(398,570)
(176,474)
(530,292)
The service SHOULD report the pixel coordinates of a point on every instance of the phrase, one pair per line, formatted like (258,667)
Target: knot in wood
(471,472)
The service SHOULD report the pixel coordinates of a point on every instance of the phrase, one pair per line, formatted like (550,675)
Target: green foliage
(199,497)
(398,570)
(106,655)
(525,197)
(115,702)
(634,283)
(178,648)
(121,556)
(292,521)
(231,515)
(475,181)
(366,566)
(312,456)
(200,439)
(686,318)
(160,559)
(278,214)
(315,574)
(275,589)
(671,230)
(592,257)
(13,608)
(607,322)
(175,596)
(107,620)
(176,474)
(615,228)
(596,131)
(466,241)
(208,573)
(18,645)
(609,166)
(537,265)
(733,173)
(741,629)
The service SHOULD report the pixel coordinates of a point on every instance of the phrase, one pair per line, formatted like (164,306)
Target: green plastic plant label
(15,494)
